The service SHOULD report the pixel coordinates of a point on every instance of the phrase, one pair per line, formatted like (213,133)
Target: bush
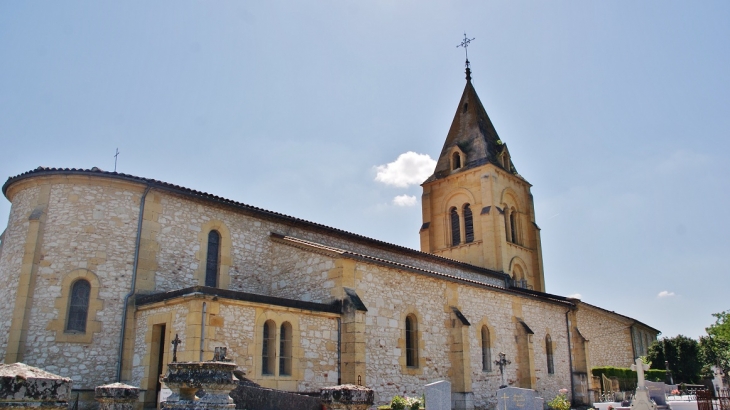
(560,402)
(405,403)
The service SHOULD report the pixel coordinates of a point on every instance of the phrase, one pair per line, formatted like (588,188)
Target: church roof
(259,212)
(574,301)
(473,133)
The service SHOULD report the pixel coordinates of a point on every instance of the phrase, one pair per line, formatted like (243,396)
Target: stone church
(102,270)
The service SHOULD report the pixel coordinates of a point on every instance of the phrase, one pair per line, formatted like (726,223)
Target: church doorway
(157,364)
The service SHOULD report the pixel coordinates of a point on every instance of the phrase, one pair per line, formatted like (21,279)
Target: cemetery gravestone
(438,395)
(515,398)
(657,392)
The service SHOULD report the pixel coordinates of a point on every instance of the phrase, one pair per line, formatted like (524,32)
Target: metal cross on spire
(465,44)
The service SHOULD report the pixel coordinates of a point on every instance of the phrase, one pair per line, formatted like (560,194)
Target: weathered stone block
(186,378)
(116,396)
(26,387)
(347,397)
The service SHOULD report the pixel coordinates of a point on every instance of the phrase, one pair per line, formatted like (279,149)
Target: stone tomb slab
(438,395)
(515,398)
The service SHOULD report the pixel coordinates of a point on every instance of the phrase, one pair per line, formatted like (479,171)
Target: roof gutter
(134,282)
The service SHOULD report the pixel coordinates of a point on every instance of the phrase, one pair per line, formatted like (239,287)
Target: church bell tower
(476,207)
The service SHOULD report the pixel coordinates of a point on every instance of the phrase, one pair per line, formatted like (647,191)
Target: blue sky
(617,112)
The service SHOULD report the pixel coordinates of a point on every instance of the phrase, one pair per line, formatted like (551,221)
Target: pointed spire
(473,135)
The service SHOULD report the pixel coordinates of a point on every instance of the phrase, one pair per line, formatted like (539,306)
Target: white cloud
(665,294)
(576,296)
(405,200)
(410,168)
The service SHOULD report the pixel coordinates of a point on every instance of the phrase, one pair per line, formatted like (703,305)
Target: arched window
(549,353)
(268,353)
(285,340)
(641,345)
(517,273)
(211,261)
(513,225)
(455,160)
(486,351)
(455,230)
(78,307)
(468,224)
(411,341)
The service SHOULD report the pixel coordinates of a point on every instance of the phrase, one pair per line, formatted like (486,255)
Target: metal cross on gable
(116,155)
(465,44)
(176,341)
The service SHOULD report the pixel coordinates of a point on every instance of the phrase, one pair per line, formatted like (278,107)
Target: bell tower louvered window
(468,224)
(513,225)
(211,264)
(455,229)
(78,308)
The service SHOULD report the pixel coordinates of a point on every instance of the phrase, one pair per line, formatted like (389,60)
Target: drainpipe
(339,351)
(134,283)
(570,358)
(202,332)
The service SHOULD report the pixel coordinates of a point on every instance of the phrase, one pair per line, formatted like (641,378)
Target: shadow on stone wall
(249,395)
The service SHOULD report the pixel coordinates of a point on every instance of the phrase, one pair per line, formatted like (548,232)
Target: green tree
(715,351)
(715,347)
(683,355)
(721,327)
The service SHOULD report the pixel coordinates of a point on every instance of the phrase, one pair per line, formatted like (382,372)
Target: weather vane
(465,44)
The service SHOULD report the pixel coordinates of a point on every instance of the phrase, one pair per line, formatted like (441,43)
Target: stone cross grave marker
(438,395)
(641,400)
(515,398)
(639,367)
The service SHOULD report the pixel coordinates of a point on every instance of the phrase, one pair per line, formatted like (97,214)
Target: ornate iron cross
(465,44)
(502,363)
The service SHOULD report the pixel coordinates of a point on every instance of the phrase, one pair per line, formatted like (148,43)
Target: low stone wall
(249,396)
